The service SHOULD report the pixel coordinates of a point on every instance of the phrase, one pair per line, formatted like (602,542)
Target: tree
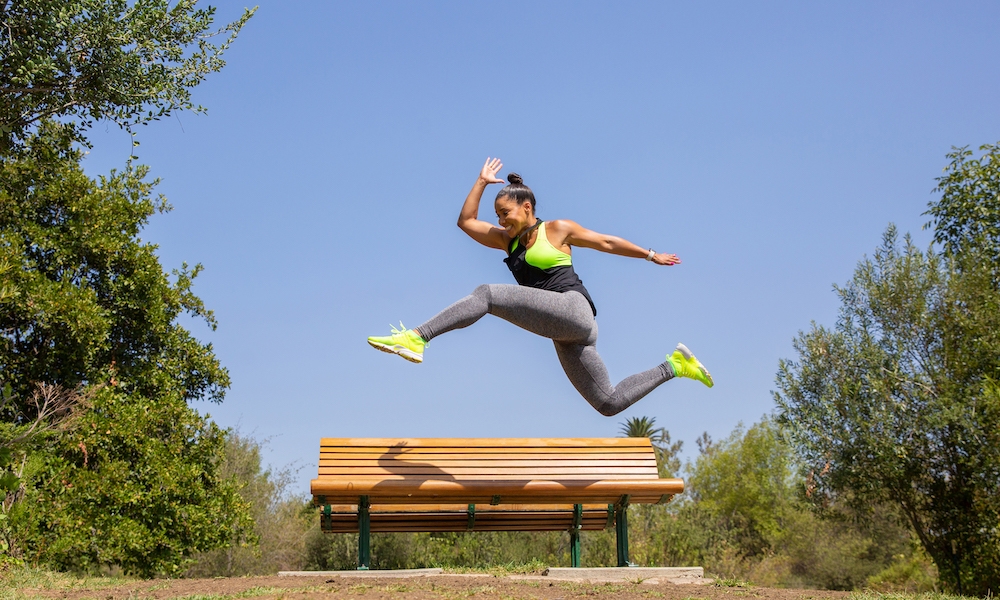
(137,482)
(85,304)
(967,215)
(747,483)
(668,460)
(282,519)
(88,60)
(899,402)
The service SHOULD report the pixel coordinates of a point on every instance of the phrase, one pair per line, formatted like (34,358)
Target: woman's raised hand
(490,170)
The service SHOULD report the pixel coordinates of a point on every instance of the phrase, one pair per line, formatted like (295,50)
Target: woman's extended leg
(557,316)
(587,373)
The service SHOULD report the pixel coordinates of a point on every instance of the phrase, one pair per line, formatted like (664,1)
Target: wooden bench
(486,484)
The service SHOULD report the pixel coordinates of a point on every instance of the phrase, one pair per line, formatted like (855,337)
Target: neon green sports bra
(543,254)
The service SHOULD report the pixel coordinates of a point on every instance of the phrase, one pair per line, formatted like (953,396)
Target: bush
(281,519)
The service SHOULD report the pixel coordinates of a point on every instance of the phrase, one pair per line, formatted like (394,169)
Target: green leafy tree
(748,518)
(282,518)
(137,483)
(86,60)
(747,483)
(899,403)
(967,215)
(85,304)
(668,460)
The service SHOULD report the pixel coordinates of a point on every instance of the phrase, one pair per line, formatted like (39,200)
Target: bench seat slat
(585,490)
(462,508)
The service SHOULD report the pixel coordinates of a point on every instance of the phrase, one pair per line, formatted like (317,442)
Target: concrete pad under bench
(651,575)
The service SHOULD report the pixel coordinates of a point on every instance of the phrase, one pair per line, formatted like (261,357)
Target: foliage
(907,573)
(136,485)
(88,60)
(967,216)
(91,303)
(668,462)
(899,403)
(281,519)
(56,410)
(91,306)
(746,517)
(451,550)
(746,484)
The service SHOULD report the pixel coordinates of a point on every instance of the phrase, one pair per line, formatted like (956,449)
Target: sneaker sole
(689,356)
(401,351)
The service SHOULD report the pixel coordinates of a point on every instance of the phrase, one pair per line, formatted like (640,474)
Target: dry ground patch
(485,587)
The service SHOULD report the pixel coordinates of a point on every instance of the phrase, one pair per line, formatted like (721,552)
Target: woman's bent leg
(559,316)
(587,373)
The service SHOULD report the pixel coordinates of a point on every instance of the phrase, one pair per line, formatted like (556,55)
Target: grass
(15,580)
(873,595)
(534,567)
(250,593)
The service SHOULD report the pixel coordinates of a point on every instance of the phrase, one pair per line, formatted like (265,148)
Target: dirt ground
(448,587)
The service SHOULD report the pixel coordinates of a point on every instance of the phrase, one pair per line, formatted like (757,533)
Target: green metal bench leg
(364,534)
(574,535)
(574,548)
(621,529)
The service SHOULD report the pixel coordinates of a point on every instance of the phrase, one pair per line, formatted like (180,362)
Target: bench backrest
(501,459)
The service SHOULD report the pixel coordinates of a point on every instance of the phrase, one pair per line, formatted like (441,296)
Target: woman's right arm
(485,233)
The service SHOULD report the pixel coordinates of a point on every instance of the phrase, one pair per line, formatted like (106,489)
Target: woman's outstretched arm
(573,234)
(485,233)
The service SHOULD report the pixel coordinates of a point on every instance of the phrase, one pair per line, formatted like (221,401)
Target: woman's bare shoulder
(561,225)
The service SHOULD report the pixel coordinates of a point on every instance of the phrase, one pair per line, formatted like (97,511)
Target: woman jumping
(549,300)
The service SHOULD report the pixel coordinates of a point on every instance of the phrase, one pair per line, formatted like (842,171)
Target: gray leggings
(565,318)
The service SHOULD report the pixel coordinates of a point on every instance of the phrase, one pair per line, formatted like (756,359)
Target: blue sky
(767,144)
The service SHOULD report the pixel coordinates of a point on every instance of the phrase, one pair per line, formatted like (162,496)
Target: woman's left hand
(665,259)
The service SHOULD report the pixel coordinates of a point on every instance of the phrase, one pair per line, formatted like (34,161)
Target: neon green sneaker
(686,365)
(404,342)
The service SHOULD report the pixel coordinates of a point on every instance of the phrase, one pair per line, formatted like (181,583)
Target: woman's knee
(608,409)
(482,292)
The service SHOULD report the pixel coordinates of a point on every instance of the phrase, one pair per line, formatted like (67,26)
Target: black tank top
(561,278)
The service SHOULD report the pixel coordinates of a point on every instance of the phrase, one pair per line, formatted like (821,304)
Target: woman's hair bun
(514,179)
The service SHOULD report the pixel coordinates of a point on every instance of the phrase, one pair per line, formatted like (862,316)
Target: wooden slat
(559,461)
(592,521)
(483,456)
(527,498)
(463,508)
(462,473)
(485,450)
(505,443)
(377,486)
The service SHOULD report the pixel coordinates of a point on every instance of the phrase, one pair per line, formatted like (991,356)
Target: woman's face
(513,217)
